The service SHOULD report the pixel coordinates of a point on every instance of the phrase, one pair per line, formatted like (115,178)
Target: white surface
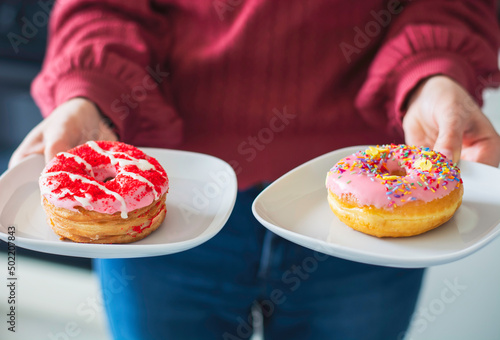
(295,207)
(200,199)
(472,310)
(52,299)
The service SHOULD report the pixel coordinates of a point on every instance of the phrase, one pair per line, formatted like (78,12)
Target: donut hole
(393,168)
(105,174)
(401,172)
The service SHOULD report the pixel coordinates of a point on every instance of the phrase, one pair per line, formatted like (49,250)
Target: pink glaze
(79,178)
(369,176)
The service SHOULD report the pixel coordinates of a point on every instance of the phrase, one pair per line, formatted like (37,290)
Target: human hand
(70,124)
(441,115)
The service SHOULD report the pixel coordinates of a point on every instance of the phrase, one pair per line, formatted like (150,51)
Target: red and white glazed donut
(104,192)
(394,190)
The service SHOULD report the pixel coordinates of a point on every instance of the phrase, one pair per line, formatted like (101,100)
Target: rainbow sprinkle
(430,170)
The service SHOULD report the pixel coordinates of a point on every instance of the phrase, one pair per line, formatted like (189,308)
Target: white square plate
(295,207)
(200,199)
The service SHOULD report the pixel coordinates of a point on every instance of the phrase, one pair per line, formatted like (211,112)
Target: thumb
(53,147)
(450,137)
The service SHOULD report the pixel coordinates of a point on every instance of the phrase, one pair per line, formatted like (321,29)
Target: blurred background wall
(23,37)
(18,65)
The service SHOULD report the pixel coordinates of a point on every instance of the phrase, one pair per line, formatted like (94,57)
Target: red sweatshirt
(264,84)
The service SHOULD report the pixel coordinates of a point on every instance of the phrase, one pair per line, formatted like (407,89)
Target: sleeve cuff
(426,64)
(106,93)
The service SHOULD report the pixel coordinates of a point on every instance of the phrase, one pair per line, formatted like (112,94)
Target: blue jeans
(208,292)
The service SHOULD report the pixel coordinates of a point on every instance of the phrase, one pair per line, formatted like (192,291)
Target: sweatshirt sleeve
(459,39)
(113,52)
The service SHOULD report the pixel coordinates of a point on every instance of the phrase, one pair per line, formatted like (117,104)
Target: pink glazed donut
(394,190)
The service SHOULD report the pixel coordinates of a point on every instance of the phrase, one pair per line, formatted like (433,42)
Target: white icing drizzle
(142,164)
(141,179)
(74,177)
(85,201)
(78,160)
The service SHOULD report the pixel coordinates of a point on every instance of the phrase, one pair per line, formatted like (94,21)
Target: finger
(54,146)
(108,134)
(486,152)
(481,141)
(101,132)
(415,133)
(21,153)
(450,135)
(32,143)
(490,152)
(412,130)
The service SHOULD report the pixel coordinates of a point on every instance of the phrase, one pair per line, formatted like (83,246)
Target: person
(266,86)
